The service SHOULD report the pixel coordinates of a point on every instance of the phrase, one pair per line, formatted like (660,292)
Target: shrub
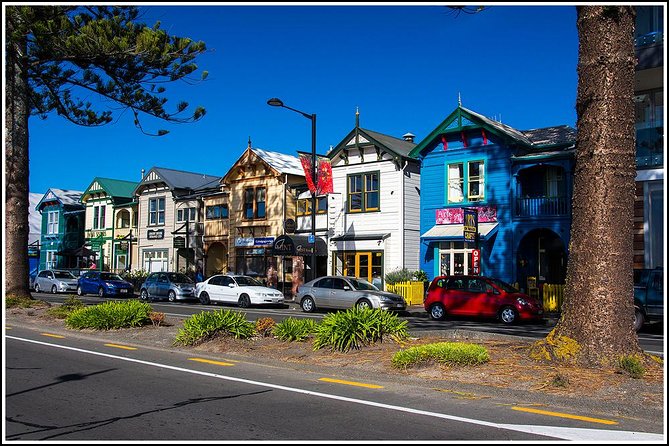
(208,324)
(452,353)
(136,277)
(292,329)
(264,326)
(357,327)
(399,275)
(110,315)
(632,365)
(24,302)
(157,318)
(68,306)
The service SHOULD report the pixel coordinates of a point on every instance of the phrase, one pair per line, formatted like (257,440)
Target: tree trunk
(16,162)
(598,311)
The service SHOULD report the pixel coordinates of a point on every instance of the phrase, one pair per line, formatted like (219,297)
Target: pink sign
(486,214)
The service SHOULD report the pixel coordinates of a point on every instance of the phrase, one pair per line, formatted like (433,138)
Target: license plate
(123,290)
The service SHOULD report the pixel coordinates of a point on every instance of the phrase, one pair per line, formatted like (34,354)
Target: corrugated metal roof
(179,179)
(397,145)
(281,162)
(117,188)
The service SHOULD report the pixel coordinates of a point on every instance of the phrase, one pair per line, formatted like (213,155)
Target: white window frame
(50,260)
(99,217)
(157,215)
(456,184)
(52,222)
(190,212)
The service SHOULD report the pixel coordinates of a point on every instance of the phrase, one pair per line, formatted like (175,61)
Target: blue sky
(403,67)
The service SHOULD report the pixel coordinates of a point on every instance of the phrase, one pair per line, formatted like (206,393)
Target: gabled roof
(66,198)
(118,190)
(396,146)
(179,180)
(34,217)
(534,140)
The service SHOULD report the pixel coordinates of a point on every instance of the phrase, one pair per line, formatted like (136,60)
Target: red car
(479,296)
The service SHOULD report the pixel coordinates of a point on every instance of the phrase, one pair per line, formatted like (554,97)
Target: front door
(363,265)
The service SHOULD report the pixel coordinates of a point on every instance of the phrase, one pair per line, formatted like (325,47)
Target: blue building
(517,183)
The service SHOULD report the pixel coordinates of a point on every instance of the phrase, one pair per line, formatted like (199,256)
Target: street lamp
(276,102)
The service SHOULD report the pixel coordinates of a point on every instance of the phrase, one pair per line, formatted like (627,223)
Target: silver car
(55,281)
(166,285)
(345,292)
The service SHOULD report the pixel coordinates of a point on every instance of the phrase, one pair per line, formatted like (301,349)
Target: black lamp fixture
(276,102)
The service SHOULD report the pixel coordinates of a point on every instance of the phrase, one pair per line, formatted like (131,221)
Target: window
(99,217)
(363,192)
(52,222)
(216,212)
(254,203)
(123,219)
(186,213)
(475,180)
(157,211)
(474,183)
(50,259)
(304,206)
(455,183)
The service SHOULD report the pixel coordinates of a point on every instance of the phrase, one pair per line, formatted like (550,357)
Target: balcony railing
(542,207)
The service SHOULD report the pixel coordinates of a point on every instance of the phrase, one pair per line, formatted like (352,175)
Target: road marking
(209,361)
(53,335)
(350,383)
(120,346)
(564,433)
(564,415)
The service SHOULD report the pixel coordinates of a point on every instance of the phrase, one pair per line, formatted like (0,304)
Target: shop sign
(263,241)
(470,224)
(485,214)
(179,242)
(123,246)
(244,241)
(476,261)
(284,246)
(255,251)
(155,234)
(289,225)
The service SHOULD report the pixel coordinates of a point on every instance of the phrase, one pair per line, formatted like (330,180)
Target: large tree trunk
(598,310)
(16,162)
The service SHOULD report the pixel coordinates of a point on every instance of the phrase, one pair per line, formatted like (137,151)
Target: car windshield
(247,281)
(63,275)
(504,286)
(362,284)
(110,276)
(179,278)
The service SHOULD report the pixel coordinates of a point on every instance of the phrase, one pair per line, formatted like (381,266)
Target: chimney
(408,137)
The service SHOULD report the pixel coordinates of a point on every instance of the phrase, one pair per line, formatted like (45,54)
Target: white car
(242,290)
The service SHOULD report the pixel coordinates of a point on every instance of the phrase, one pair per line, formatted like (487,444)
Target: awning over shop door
(455,232)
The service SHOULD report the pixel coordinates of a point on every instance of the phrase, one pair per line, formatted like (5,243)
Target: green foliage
(292,329)
(420,276)
(68,306)
(405,275)
(632,365)
(452,353)
(264,326)
(136,277)
(208,324)
(110,315)
(357,327)
(72,51)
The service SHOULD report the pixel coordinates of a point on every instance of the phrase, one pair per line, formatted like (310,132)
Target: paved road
(71,388)
(651,337)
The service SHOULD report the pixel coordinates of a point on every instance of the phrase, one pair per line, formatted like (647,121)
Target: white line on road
(564,433)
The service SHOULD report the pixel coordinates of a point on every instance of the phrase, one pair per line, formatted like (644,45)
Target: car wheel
(204,298)
(308,305)
(508,315)
(144,295)
(364,304)
(80,292)
(37,290)
(639,319)
(437,312)
(244,301)
(101,292)
(171,296)
(54,290)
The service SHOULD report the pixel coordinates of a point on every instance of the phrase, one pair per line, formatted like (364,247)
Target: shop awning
(82,251)
(455,232)
(353,236)
(297,245)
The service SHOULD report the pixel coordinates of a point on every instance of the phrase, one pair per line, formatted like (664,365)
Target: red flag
(464,140)
(444,142)
(485,139)
(306,165)
(324,176)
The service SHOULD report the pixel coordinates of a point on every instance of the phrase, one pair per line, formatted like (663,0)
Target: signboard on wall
(179,242)
(476,261)
(155,234)
(448,216)
(470,224)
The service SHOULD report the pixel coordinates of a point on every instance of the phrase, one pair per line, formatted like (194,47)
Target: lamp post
(276,102)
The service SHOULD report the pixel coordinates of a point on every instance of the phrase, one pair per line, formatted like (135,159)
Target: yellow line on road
(564,415)
(209,361)
(53,335)
(351,383)
(120,346)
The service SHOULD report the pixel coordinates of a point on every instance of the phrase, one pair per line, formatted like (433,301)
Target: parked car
(648,296)
(242,290)
(345,292)
(55,281)
(166,285)
(103,284)
(480,296)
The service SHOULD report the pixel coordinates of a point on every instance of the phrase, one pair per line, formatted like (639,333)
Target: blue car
(103,284)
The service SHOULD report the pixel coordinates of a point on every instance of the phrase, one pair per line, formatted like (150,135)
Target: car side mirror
(346,288)
(231,285)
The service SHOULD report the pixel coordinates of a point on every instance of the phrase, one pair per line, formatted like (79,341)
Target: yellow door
(363,265)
